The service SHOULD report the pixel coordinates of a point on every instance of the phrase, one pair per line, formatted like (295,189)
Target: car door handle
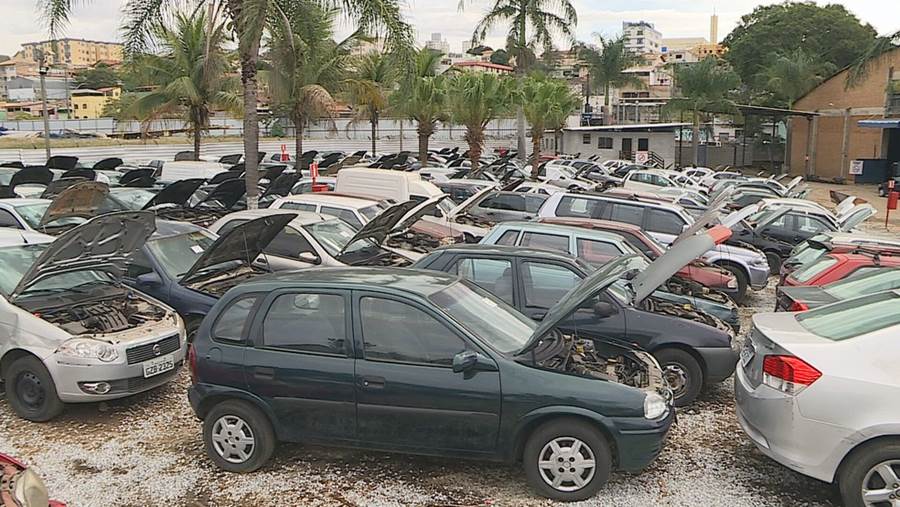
(264,373)
(372,382)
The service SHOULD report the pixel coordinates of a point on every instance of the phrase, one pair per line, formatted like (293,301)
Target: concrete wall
(662,143)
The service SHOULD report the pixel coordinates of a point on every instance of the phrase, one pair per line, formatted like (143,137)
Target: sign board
(642,157)
(856,167)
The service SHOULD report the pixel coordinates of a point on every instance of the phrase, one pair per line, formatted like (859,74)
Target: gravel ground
(146,451)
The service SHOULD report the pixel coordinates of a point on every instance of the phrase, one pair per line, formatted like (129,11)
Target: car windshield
(371,212)
(33,213)
(16,260)
(852,318)
(132,198)
(805,253)
(446,206)
(177,254)
(486,316)
(870,283)
(813,270)
(334,235)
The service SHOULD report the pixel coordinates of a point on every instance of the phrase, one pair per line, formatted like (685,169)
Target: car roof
(626,200)
(560,229)
(169,228)
(413,281)
(352,201)
(594,224)
(507,250)
(300,217)
(16,237)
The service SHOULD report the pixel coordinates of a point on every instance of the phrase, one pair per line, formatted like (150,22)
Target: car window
(626,213)
(508,238)
(344,214)
(545,284)
(307,322)
(813,270)
(233,321)
(8,220)
(533,202)
(809,224)
(596,252)
(852,318)
(289,243)
(396,331)
(137,265)
(545,241)
(492,275)
(299,206)
(860,285)
(579,207)
(664,222)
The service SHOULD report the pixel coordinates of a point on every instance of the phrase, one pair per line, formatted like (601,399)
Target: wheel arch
(683,347)
(538,418)
(205,406)
(862,445)
(11,356)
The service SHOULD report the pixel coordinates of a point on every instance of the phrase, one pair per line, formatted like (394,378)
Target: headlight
(87,348)
(760,261)
(654,406)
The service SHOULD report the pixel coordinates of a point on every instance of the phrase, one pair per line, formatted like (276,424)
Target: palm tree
(423,98)
(370,88)
(190,72)
(791,75)
(307,66)
(607,65)
(544,17)
(475,99)
(704,86)
(249,19)
(859,70)
(547,104)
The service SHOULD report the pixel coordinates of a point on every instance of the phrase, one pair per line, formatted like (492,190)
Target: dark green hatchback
(421,362)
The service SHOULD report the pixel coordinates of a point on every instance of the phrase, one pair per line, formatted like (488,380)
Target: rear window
(806,254)
(813,270)
(579,207)
(854,317)
(884,279)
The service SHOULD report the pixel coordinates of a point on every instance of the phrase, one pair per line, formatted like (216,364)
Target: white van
(399,186)
(185,170)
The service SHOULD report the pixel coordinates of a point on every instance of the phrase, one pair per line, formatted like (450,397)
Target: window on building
(585,139)
(605,143)
(643,144)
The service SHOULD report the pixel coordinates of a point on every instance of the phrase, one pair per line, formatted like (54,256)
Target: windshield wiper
(49,290)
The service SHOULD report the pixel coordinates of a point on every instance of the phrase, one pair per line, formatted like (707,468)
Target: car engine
(633,368)
(685,287)
(656,305)
(109,315)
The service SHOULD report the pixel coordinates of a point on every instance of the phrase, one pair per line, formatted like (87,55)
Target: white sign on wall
(856,167)
(642,157)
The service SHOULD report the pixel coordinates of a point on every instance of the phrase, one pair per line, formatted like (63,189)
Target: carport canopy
(880,124)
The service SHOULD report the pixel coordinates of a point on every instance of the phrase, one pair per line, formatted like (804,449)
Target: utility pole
(42,62)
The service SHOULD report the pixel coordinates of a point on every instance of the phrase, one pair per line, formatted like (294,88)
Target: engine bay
(120,312)
(656,305)
(685,287)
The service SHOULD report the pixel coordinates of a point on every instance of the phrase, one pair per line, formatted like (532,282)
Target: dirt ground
(146,451)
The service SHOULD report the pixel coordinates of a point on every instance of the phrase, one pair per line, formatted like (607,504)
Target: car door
(408,396)
(301,363)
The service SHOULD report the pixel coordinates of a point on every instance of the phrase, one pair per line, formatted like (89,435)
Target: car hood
(103,243)
(245,242)
(742,214)
(176,193)
(793,184)
(595,283)
(382,225)
(79,200)
(468,203)
(227,193)
(812,297)
(857,215)
(418,212)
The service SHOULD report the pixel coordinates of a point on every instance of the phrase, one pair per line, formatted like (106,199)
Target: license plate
(747,354)
(159,365)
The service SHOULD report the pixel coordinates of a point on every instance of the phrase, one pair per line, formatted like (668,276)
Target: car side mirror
(469,360)
(150,279)
(308,257)
(604,309)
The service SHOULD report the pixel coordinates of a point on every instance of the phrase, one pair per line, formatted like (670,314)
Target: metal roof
(646,127)
(880,124)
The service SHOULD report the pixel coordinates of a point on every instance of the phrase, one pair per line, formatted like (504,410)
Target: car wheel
(191,325)
(742,279)
(567,460)
(871,475)
(31,391)
(683,373)
(774,261)
(238,437)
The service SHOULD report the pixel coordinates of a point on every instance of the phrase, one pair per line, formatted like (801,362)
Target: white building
(438,43)
(622,141)
(641,38)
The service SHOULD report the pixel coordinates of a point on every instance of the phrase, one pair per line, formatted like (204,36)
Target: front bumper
(719,361)
(759,276)
(640,441)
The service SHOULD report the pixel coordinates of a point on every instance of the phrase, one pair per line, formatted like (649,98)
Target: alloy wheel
(30,390)
(881,486)
(677,378)
(566,464)
(233,439)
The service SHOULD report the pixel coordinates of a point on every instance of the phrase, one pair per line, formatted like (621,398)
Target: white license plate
(159,365)
(747,354)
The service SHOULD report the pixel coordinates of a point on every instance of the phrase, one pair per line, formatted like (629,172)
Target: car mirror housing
(469,360)
(150,279)
(604,309)
(308,257)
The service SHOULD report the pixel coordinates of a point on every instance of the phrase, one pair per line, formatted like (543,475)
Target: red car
(22,487)
(697,271)
(837,266)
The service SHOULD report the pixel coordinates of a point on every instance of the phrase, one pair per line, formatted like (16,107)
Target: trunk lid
(857,215)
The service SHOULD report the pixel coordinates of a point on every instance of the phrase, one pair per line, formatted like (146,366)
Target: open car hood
(742,214)
(381,226)
(468,203)
(176,193)
(417,213)
(81,199)
(857,215)
(103,243)
(243,243)
(227,193)
(793,184)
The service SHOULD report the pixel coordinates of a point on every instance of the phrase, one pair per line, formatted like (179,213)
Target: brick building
(856,123)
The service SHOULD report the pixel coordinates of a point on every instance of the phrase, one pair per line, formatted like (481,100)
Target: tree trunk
(606,115)
(424,135)
(535,153)
(520,72)
(373,121)
(695,137)
(195,120)
(248,48)
(475,138)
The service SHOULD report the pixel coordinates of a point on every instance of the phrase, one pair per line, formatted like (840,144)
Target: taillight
(192,362)
(797,306)
(788,374)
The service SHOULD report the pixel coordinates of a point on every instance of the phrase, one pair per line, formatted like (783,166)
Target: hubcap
(677,378)
(881,487)
(233,439)
(566,464)
(30,390)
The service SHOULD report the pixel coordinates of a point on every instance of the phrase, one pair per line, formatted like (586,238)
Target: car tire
(774,261)
(238,437)
(567,434)
(191,325)
(683,373)
(30,390)
(743,281)
(859,472)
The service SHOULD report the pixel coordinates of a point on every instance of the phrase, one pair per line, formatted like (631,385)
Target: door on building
(626,148)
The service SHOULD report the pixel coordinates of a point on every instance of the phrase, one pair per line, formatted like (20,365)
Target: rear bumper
(719,361)
(639,441)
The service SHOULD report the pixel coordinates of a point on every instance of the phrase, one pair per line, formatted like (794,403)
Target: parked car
(73,333)
(833,267)
(422,362)
(23,487)
(460,190)
(821,244)
(506,206)
(800,299)
(648,181)
(693,346)
(811,391)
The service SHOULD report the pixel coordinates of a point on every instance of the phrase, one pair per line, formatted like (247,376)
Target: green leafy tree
(422,97)
(191,72)
(607,65)
(704,87)
(370,88)
(547,104)
(476,98)
(307,65)
(96,77)
(500,57)
(792,75)
(827,33)
(859,70)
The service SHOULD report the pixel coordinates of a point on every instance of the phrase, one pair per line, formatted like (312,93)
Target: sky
(100,19)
